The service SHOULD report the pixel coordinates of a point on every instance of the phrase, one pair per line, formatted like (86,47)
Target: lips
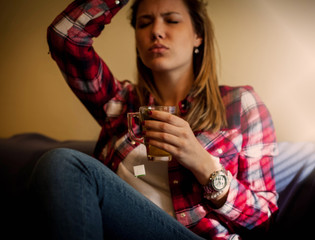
(158,48)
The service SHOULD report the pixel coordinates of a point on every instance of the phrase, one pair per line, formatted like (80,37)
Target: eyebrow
(149,16)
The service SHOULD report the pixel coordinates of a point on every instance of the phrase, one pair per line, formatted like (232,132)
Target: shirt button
(220,151)
(182,215)
(175,182)
(117,2)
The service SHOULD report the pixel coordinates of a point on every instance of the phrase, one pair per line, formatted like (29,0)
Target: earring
(196,51)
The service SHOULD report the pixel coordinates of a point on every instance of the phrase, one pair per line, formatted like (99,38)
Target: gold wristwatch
(217,182)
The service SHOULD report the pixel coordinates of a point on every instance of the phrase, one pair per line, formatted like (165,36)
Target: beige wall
(269,44)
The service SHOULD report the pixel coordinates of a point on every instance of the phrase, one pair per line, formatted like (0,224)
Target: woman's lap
(80,198)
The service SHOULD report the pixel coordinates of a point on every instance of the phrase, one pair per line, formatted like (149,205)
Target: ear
(198,41)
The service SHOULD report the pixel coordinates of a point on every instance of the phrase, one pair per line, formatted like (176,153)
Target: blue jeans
(80,198)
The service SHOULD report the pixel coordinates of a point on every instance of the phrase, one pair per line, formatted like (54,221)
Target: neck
(173,87)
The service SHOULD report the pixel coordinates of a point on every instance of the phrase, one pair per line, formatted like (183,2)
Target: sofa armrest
(294,170)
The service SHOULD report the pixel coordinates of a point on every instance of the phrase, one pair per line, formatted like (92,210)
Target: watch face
(219,182)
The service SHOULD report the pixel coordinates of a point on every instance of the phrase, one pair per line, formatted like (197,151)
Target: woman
(220,182)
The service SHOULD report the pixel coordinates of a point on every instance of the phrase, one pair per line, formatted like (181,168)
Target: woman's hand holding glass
(174,135)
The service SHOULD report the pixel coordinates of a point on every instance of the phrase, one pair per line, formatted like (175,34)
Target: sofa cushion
(19,153)
(294,170)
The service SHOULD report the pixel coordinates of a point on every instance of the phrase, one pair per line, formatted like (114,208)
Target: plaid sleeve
(70,42)
(252,197)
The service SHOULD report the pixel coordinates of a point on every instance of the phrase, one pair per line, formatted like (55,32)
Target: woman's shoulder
(238,94)
(235,90)
(238,99)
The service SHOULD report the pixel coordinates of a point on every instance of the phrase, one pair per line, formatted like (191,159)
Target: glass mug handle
(131,134)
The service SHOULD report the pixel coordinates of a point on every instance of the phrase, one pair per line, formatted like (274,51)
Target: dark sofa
(294,174)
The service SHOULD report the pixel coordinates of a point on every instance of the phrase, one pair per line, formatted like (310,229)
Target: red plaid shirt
(246,148)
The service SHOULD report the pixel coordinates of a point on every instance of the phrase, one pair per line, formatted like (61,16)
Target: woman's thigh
(81,198)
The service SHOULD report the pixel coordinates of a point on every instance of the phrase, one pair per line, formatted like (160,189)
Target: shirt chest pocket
(225,144)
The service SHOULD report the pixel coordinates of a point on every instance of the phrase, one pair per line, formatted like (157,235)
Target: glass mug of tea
(153,153)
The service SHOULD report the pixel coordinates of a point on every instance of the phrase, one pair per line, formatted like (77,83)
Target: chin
(159,66)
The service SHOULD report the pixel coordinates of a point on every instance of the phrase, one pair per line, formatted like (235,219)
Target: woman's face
(165,37)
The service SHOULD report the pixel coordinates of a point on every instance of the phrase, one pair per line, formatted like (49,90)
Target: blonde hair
(207,111)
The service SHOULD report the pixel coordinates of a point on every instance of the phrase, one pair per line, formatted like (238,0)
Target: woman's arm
(70,42)
(250,199)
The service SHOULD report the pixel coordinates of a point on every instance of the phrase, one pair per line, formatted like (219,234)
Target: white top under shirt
(154,185)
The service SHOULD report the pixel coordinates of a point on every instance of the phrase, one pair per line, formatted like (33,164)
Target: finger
(165,121)
(162,127)
(166,117)
(173,150)
(163,137)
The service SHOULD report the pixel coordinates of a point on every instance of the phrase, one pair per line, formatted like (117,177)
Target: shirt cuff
(234,203)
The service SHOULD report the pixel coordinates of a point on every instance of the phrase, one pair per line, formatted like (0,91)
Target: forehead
(156,7)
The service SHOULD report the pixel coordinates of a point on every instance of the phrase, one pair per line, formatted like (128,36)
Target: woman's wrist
(205,167)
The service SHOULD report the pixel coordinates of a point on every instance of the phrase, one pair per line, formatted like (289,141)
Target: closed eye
(172,21)
(169,17)
(144,21)
(143,25)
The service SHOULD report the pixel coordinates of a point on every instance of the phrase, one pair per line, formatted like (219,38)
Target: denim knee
(57,163)
(54,160)
(63,191)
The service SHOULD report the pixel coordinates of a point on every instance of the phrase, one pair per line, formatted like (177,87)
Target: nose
(157,31)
